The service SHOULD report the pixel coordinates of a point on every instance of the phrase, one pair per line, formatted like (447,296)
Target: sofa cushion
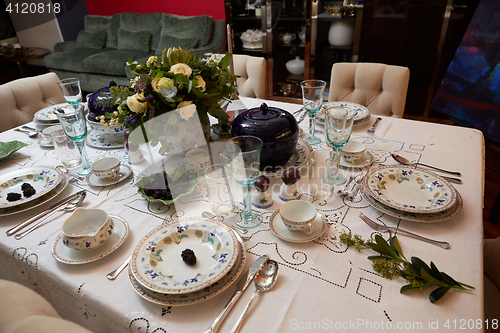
(134,40)
(91,40)
(143,22)
(167,41)
(110,24)
(111,62)
(200,27)
(70,60)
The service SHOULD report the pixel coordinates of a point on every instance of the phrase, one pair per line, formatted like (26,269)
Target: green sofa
(101,50)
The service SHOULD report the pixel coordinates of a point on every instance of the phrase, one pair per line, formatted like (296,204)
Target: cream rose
(134,104)
(159,83)
(186,109)
(201,83)
(151,60)
(181,68)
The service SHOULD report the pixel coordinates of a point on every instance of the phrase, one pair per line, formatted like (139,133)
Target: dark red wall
(214,8)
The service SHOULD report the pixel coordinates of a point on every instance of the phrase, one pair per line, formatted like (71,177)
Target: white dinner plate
(281,231)
(415,217)
(410,189)
(98,140)
(64,254)
(157,263)
(47,115)
(362,115)
(124,172)
(197,296)
(43,179)
(39,201)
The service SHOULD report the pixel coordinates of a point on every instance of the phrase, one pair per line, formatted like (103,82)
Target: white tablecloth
(322,285)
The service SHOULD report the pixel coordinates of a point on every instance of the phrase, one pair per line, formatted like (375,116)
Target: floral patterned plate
(40,201)
(157,263)
(415,217)
(47,116)
(42,179)
(199,295)
(362,115)
(410,189)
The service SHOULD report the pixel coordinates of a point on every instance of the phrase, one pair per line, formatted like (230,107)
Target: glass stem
(312,124)
(331,176)
(83,154)
(247,194)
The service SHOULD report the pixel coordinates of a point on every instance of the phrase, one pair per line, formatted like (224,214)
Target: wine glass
(338,129)
(71,90)
(72,120)
(243,154)
(312,99)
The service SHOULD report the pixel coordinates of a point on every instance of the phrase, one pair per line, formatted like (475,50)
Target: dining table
(322,285)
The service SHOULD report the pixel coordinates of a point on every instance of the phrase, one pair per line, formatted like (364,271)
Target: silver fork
(372,129)
(383,228)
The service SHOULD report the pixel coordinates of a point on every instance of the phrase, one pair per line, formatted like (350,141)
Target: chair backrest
(252,70)
(381,88)
(21,99)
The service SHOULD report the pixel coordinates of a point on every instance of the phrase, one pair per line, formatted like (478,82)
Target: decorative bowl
(87,229)
(277,128)
(353,151)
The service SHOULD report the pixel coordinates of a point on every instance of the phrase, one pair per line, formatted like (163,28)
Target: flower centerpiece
(179,85)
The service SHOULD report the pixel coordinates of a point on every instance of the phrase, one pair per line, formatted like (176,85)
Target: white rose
(151,60)
(134,104)
(159,83)
(186,109)
(181,68)
(201,83)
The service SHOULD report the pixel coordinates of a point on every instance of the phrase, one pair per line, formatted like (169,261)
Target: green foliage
(391,263)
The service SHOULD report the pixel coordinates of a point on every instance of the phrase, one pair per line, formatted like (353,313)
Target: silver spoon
(114,274)
(403,160)
(31,134)
(69,207)
(263,282)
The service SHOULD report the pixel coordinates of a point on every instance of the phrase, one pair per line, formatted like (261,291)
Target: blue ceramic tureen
(277,128)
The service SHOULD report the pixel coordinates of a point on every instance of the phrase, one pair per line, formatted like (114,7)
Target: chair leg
(495,210)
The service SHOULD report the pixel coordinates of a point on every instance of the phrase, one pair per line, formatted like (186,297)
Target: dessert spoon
(403,160)
(30,134)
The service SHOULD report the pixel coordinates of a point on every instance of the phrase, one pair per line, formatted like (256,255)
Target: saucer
(281,231)
(64,254)
(97,140)
(46,143)
(93,180)
(365,160)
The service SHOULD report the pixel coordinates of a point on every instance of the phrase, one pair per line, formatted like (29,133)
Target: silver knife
(58,204)
(252,272)
(302,117)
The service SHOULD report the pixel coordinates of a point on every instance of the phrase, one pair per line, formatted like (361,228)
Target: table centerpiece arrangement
(175,87)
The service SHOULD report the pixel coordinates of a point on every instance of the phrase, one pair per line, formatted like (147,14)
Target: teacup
(46,133)
(106,168)
(87,229)
(196,159)
(298,215)
(353,151)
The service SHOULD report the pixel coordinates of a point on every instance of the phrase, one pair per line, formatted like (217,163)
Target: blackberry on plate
(189,257)
(13,196)
(29,192)
(26,186)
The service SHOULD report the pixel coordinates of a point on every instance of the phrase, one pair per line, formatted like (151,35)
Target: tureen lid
(263,112)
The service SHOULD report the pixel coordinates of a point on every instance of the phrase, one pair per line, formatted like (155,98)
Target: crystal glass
(243,154)
(73,122)
(218,180)
(338,129)
(312,99)
(71,90)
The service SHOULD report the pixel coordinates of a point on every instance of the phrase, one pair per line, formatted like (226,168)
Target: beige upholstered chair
(492,280)
(381,88)
(21,99)
(252,70)
(23,310)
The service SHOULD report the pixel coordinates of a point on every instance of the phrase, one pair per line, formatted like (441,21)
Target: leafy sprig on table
(391,263)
